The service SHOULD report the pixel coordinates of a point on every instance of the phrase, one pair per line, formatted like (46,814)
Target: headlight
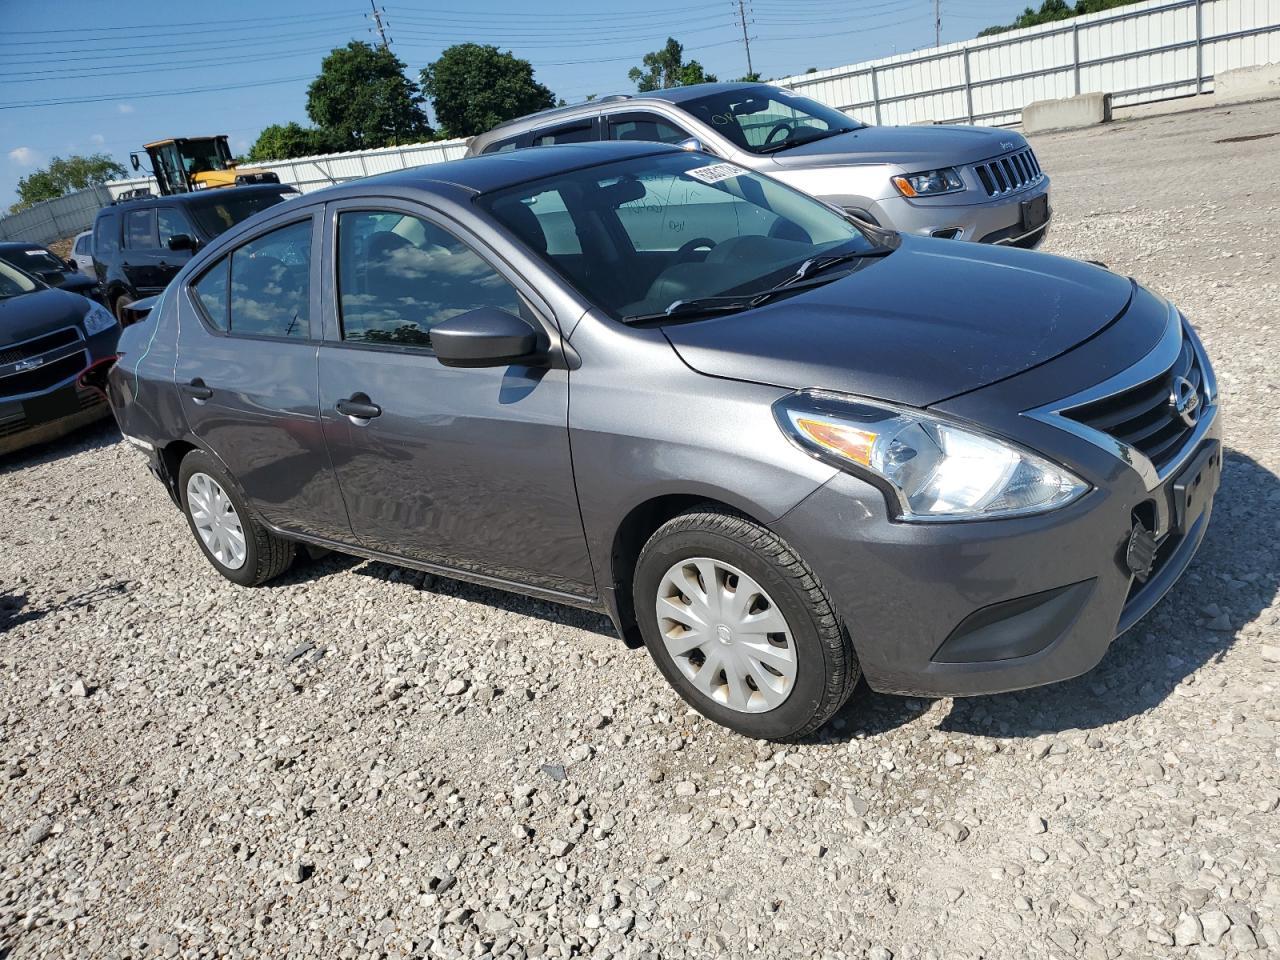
(930,183)
(932,468)
(98,318)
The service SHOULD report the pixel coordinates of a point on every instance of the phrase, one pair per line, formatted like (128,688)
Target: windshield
(35,260)
(14,282)
(221,213)
(637,235)
(768,119)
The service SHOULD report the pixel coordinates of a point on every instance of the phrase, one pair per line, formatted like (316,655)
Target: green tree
(362,100)
(667,68)
(61,177)
(474,87)
(286,141)
(1051,10)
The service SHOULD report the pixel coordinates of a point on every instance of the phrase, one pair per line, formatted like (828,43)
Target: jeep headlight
(930,183)
(97,319)
(932,468)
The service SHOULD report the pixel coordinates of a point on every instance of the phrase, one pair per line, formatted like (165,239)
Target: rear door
(141,257)
(463,468)
(246,371)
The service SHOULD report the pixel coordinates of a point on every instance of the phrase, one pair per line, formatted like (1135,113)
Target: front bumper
(994,220)
(956,609)
(54,414)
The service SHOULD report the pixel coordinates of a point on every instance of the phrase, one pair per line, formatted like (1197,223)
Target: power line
(184,48)
(252,31)
(163,66)
(147,94)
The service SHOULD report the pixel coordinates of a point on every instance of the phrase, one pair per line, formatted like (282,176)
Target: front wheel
(121,309)
(240,548)
(741,627)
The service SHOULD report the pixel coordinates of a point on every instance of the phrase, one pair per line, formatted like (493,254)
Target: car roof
(21,245)
(196,196)
(497,171)
(696,90)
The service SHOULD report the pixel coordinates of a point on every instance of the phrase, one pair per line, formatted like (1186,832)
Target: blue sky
(242,65)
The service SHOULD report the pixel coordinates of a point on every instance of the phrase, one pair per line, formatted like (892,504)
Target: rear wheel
(741,627)
(240,548)
(123,315)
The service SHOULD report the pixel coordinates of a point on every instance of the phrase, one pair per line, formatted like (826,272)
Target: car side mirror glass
(183,241)
(485,337)
(692,144)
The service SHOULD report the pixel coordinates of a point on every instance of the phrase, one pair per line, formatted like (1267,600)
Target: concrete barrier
(1248,83)
(1082,111)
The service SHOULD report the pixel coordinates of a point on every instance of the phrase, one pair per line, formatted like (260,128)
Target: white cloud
(97,139)
(125,108)
(24,156)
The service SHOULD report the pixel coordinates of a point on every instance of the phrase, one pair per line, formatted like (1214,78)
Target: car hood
(932,320)
(912,148)
(34,314)
(78,283)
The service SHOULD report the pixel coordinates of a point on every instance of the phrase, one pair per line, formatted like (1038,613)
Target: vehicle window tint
(502,146)
(660,220)
(211,291)
(271,284)
(82,244)
(584,133)
(140,229)
(559,234)
(647,127)
(172,222)
(398,276)
(106,235)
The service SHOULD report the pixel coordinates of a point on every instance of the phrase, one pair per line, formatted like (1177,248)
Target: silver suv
(956,182)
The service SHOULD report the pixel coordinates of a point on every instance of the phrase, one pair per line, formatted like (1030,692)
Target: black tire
(827,668)
(118,308)
(266,555)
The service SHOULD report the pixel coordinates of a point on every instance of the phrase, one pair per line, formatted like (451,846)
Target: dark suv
(140,244)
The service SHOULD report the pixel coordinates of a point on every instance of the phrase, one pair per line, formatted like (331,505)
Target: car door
(246,371)
(171,222)
(462,468)
(140,260)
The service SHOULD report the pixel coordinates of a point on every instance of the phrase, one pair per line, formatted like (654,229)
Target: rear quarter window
(106,235)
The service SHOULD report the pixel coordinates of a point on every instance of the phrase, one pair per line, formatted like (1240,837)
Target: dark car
(46,265)
(141,243)
(780,448)
(51,342)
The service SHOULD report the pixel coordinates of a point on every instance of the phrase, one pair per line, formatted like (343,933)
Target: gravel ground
(362,761)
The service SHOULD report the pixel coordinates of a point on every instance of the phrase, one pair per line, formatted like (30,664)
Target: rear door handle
(358,406)
(197,390)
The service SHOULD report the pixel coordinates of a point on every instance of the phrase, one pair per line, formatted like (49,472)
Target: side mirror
(72,265)
(485,337)
(183,241)
(135,162)
(692,144)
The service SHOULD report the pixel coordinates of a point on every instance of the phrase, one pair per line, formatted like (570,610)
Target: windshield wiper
(694,306)
(797,141)
(817,264)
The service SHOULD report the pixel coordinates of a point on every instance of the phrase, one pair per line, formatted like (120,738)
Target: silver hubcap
(216,520)
(726,635)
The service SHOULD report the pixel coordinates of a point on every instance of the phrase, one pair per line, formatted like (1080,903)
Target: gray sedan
(954,182)
(769,441)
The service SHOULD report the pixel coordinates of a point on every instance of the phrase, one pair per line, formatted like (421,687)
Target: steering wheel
(779,127)
(687,248)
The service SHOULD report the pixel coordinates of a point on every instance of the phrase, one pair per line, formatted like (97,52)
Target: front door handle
(358,406)
(197,390)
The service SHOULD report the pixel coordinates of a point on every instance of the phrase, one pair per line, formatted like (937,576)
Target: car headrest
(523,222)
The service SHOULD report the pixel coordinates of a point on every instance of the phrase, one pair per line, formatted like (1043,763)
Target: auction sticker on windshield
(715,172)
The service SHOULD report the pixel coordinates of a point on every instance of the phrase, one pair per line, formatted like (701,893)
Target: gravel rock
(361,761)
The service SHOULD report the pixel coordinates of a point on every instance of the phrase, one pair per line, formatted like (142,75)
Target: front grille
(42,378)
(1143,416)
(1009,173)
(33,348)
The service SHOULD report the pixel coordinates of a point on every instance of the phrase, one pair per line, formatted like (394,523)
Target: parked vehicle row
(43,263)
(955,182)
(765,437)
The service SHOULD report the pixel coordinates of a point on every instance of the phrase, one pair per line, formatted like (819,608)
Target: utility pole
(746,41)
(377,18)
(937,22)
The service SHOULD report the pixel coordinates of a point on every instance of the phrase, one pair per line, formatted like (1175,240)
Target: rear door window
(82,244)
(648,127)
(106,235)
(271,284)
(581,131)
(502,146)
(140,229)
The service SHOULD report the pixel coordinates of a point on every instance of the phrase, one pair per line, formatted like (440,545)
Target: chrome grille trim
(1009,173)
(1158,361)
(11,376)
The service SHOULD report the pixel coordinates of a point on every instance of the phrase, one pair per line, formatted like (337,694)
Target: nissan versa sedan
(779,448)
(51,343)
(951,181)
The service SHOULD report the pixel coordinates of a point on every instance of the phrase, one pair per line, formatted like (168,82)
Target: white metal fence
(1139,53)
(54,219)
